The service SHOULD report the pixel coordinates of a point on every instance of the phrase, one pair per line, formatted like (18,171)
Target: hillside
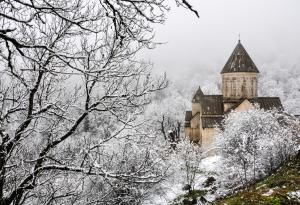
(282,187)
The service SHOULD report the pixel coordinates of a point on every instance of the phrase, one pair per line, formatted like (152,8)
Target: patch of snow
(269,193)
(210,197)
(169,193)
(172,186)
(261,186)
(210,164)
(295,195)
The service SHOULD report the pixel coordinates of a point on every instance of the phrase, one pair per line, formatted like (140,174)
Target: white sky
(269,29)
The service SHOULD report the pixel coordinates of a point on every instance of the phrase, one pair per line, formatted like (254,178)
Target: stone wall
(207,137)
(239,85)
(196,107)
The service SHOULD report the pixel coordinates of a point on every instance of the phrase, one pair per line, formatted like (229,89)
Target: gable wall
(245,105)
(227,106)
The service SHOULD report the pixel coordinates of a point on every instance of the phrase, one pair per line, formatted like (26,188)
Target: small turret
(198,95)
(196,102)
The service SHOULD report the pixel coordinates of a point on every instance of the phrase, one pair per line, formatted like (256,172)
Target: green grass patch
(285,180)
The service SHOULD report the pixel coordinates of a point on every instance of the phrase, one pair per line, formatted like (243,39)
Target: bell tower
(239,76)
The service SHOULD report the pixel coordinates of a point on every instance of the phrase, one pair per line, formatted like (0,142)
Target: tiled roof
(239,61)
(267,103)
(211,122)
(212,105)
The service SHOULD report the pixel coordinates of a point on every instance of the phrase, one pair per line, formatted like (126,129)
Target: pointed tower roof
(239,61)
(198,95)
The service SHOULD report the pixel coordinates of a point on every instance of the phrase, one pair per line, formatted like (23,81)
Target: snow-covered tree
(254,143)
(70,84)
(273,82)
(182,174)
(166,113)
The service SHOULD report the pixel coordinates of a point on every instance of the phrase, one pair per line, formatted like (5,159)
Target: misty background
(196,49)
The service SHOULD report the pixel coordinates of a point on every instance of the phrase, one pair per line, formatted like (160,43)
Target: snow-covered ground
(210,164)
(167,192)
(295,195)
(172,187)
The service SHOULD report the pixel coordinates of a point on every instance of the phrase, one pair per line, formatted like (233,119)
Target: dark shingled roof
(239,61)
(267,103)
(212,105)
(198,95)
(211,122)
(188,117)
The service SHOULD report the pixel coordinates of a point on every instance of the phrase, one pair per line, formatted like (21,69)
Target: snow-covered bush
(254,143)
(138,164)
(189,158)
(183,172)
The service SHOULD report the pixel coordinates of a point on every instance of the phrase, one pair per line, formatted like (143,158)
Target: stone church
(239,92)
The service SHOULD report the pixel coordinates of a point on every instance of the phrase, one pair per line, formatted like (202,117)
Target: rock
(209,181)
(189,202)
(187,187)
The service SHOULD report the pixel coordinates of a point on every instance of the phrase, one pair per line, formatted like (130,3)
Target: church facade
(239,92)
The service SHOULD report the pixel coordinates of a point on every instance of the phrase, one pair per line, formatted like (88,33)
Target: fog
(268,29)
